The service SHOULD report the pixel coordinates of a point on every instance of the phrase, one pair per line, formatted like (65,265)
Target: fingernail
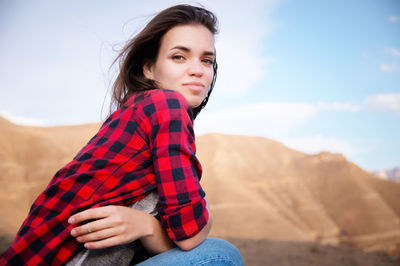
(87,245)
(73,232)
(79,239)
(71,220)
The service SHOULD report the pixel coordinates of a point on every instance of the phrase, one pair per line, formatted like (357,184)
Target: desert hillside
(261,189)
(276,204)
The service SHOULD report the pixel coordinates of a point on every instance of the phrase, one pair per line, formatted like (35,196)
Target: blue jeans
(213,251)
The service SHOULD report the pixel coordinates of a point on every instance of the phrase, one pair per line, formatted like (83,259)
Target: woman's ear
(148,71)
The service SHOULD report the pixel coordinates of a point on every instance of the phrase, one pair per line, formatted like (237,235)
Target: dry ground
(277,253)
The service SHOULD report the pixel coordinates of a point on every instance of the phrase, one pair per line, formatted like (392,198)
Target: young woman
(141,163)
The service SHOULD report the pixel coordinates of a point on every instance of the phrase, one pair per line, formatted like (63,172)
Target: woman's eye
(178,57)
(208,61)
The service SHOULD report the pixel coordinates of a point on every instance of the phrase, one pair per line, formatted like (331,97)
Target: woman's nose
(196,68)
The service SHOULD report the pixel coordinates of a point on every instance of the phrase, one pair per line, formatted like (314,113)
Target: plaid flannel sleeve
(181,206)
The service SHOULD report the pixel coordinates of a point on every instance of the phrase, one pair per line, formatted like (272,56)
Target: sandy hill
(29,157)
(277,204)
(261,189)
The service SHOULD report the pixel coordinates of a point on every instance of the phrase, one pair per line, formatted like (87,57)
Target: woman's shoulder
(158,99)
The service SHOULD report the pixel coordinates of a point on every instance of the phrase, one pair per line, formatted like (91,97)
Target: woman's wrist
(155,239)
(149,225)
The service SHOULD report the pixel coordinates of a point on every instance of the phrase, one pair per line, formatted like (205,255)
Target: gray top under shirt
(117,255)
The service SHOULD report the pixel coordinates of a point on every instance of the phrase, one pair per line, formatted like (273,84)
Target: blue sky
(315,75)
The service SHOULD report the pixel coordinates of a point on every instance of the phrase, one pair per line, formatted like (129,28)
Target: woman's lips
(195,87)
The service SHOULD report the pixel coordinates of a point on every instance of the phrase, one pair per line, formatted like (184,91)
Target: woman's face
(185,62)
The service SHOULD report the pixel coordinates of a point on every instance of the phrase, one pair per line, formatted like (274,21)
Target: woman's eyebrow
(209,53)
(186,49)
(183,48)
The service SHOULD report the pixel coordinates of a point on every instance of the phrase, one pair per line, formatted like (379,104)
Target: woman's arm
(116,225)
(196,240)
(157,241)
(182,207)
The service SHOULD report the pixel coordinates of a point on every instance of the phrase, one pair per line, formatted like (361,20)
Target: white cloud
(393,51)
(393,19)
(320,143)
(271,119)
(337,106)
(264,119)
(385,102)
(23,120)
(389,67)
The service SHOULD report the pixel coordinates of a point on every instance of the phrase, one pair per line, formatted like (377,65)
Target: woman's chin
(194,104)
(194,100)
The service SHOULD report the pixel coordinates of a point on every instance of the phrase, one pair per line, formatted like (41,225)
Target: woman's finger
(91,214)
(105,243)
(93,226)
(99,235)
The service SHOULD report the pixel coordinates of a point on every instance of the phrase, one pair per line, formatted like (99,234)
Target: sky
(314,75)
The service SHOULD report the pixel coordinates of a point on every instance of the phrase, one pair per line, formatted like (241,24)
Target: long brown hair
(143,49)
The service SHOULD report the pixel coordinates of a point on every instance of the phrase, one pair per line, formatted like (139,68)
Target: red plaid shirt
(146,145)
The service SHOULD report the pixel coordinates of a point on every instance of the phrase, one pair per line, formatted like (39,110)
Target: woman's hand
(110,226)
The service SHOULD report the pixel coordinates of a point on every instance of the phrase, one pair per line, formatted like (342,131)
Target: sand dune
(29,157)
(284,195)
(264,196)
